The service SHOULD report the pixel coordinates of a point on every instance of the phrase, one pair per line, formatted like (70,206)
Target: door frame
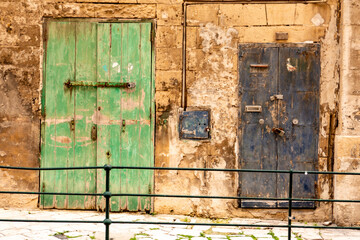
(46,21)
(239,125)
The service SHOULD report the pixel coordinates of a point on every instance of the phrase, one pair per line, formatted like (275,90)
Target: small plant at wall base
(272,234)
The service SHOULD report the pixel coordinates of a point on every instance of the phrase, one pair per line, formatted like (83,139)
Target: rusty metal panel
(195,125)
(284,134)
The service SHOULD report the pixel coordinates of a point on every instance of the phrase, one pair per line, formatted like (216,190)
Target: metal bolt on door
(279,118)
(97,100)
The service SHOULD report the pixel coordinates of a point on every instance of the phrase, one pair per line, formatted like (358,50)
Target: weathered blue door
(279,118)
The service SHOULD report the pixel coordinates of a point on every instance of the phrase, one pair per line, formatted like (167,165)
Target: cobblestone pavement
(81,231)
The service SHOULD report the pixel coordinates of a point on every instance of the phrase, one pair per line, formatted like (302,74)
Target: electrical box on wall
(194,125)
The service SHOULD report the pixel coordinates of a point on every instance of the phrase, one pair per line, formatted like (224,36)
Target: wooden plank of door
(48,135)
(83,181)
(114,108)
(102,117)
(124,144)
(130,104)
(257,142)
(64,112)
(299,117)
(145,145)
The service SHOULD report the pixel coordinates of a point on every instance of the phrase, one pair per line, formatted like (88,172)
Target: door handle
(279,131)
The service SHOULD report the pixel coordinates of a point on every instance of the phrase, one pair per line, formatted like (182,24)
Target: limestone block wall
(347,155)
(21,66)
(213,33)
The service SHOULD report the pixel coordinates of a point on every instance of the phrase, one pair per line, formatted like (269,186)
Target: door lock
(279,131)
(94,133)
(277,97)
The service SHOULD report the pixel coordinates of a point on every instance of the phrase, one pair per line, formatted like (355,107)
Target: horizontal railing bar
(49,221)
(52,193)
(233,225)
(182,196)
(50,168)
(184,169)
(234,170)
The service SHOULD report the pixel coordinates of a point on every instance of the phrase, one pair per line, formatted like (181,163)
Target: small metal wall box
(282,36)
(194,125)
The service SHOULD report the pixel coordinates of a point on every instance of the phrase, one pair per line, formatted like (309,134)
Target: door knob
(279,131)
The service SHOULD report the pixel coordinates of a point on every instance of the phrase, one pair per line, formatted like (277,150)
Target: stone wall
(213,33)
(347,144)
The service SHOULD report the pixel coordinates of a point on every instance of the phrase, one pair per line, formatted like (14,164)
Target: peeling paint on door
(93,125)
(284,135)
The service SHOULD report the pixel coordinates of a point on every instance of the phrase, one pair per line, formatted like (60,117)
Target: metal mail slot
(259,65)
(253,108)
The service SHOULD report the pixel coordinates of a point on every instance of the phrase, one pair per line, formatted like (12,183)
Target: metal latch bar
(98,84)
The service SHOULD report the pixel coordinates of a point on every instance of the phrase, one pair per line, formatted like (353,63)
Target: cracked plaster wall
(213,34)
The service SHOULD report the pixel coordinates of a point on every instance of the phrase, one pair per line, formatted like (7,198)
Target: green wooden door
(93,125)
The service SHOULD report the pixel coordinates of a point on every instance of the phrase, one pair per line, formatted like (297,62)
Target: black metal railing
(107,194)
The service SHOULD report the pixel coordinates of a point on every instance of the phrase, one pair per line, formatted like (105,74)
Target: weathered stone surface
(213,35)
(355,13)
(166,80)
(13,34)
(169,37)
(21,57)
(110,1)
(305,12)
(347,157)
(268,34)
(167,100)
(126,11)
(192,40)
(280,14)
(168,58)
(195,59)
(169,14)
(238,15)
(70,9)
(202,14)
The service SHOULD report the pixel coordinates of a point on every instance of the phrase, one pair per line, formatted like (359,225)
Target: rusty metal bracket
(70,84)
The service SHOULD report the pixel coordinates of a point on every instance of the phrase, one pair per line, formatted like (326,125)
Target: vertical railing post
(107,195)
(290,202)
